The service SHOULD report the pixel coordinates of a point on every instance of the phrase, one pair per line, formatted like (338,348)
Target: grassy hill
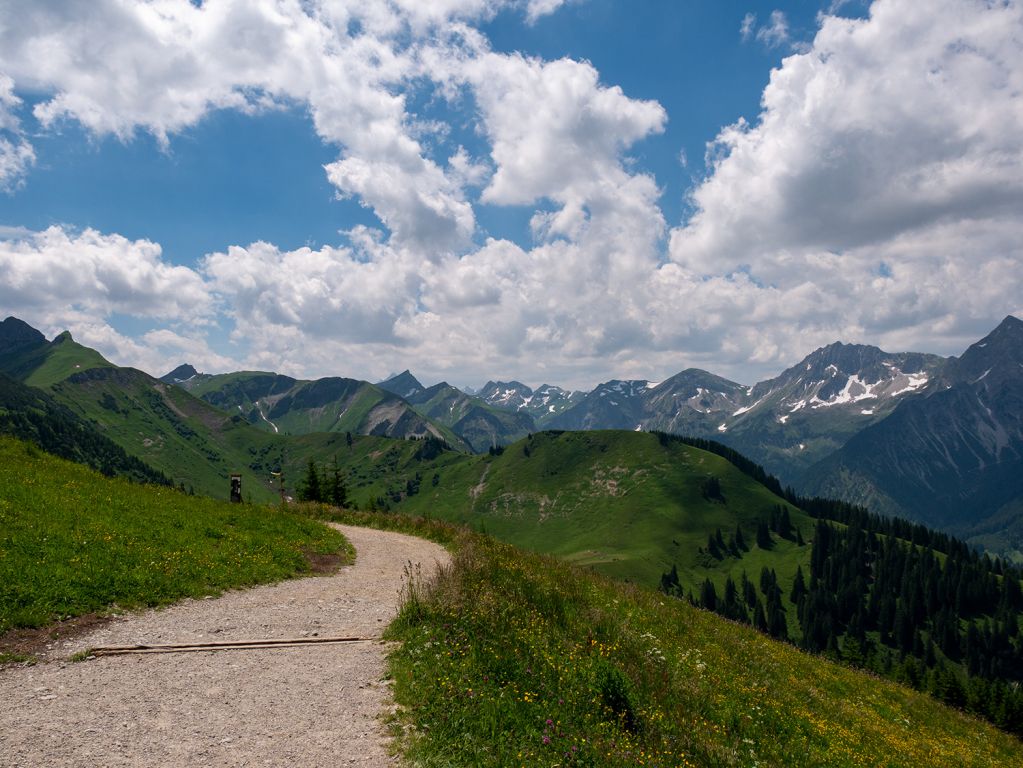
(27,356)
(196,445)
(73,541)
(30,414)
(626,503)
(512,658)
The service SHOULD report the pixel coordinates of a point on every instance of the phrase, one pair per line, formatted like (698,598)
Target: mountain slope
(786,423)
(475,422)
(615,404)
(25,355)
(283,405)
(197,445)
(951,458)
(30,414)
(809,411)
(543,403)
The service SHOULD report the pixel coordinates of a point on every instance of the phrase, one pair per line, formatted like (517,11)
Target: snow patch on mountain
(916,381)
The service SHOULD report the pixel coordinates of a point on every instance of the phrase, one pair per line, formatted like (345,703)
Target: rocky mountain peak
(402,384)
(998,355)
(16,335)
(183,372)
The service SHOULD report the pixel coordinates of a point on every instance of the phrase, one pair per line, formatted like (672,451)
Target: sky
(555,191)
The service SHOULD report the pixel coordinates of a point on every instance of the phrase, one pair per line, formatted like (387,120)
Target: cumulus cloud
(57,271)
(60,279)
(875,197)
(161,67)
(891,132)
(118,68)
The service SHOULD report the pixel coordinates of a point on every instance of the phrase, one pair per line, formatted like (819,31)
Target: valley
(641,504)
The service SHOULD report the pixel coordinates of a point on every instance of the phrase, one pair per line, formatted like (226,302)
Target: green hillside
(39,363)
(626,503)
(30,414)
(618,501)
(196,445)
(512,659)
(73,541)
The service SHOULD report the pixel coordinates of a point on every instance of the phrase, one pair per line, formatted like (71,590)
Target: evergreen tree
(708,595)
(740,540)
(310,489)
(798,586)
(336,493)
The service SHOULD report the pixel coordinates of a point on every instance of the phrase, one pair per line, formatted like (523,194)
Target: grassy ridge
(73,541)
(516,659)
(622,502)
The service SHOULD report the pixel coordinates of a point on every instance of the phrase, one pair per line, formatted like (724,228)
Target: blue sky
(511,188)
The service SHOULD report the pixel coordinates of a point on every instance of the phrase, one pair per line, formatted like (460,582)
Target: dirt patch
(25,641)
(322,564)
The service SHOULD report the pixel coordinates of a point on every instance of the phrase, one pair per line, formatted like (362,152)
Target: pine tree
(310,489)
(336,493)
(763,535)
(708,595)
(740,540)
(798,586)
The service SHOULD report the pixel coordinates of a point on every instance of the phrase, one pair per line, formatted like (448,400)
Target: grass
(619,502)
(73,542)
(62,358)
(519,659)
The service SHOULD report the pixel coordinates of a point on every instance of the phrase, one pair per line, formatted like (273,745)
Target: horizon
(472,389)
(565,189)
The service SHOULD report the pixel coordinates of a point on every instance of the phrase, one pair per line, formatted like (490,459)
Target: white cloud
(536,9)
(895,139)
(161,67)
(748,26)
(555,131)
(774,34)
(56,271)
(17,156)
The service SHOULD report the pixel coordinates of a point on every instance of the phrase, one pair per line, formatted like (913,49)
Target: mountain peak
(183,372)
(16,334)
(402,384)
(1010,328)
(1000,351)
(62,338)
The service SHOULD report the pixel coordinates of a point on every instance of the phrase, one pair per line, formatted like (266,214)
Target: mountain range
(933,439)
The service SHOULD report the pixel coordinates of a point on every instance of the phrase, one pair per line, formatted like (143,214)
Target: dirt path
(311,705)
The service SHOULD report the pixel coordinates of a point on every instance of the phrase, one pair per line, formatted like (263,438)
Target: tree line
(880,597)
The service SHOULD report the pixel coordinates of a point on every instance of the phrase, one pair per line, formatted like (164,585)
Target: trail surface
(310,705)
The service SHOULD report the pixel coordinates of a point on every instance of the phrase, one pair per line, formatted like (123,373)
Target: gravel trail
(300,706)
